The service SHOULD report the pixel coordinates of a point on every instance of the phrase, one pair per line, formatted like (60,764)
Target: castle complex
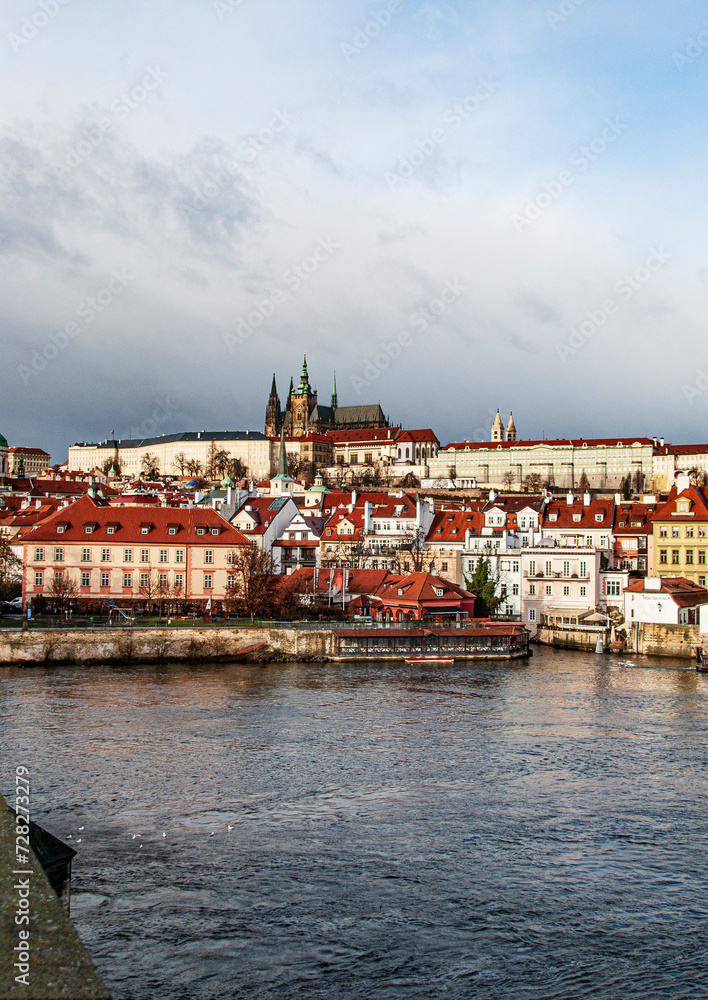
(303,414)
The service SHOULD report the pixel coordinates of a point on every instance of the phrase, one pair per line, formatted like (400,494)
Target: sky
(455,206)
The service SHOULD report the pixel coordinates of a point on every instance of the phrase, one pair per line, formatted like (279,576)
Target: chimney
(229,494)
(586,499)
(655,441)
(354,495)
(569,499)
(618,499)
(661,442)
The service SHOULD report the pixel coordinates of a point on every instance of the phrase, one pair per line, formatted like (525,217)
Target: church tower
(511,429)
(334,393)
(497,428)
(274,417)
(302,402)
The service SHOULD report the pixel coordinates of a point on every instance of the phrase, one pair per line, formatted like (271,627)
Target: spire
(334,392)
(511,429)
(290,391)
(497,428)
(304,388)
(273,390)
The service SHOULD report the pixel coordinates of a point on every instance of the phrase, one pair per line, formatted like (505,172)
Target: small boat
(701,660)
(247,650)
(429,659)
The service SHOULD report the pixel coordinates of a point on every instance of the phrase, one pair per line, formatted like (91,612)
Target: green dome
(3,442)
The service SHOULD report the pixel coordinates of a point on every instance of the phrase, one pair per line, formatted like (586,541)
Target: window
(216,531)
(145,555)
(58,555)
(549,590)
(588,541)
(689,556)
(127,555)
(516,567)
(208,555)
(172,531)
(105,579)
(439,591)
(88,529)
(689,531)
(39,554)
(701,531)
(675,557)
(60,529)
(200,531)
(576,517)
(566,569)
(38,579)
(663,555)
(583,569)
(162,580)
(208,577)
(701,581)
(105,555)
(127,579)
(612,588)
(179,555)
(532,568)
(443,567)
(702,556)
(145,530)
(86,555)
(675,531)
(163,555)
(111,529)
(532,615)
(599,518)
(662,531)
(566,591)
(179,581)
(583,591)
(532,588)
(515,589)
(85,579)
(230,582)
(549,568)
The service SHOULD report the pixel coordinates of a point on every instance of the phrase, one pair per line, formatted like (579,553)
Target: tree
(452,475)
(62,588)
(180,462)
(484,587)
(509,478)
(293,459)
(550,481)
(255,589)
(410,481)
(414,553)
(638,481)
(150,588)
(236,469)
(10,571)
(533,482)
(583,483)
(109,464)
(193,467)
(626,487)
(150,466)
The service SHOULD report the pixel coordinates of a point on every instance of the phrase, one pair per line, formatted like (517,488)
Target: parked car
(13,607)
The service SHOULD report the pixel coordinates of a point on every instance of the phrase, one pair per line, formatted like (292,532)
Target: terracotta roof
(451,526)
(359,434)
(128,522)
(699,506)
(423,587)
(558,442)
(565,514)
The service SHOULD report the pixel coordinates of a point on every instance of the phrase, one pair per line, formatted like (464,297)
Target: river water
(529,830)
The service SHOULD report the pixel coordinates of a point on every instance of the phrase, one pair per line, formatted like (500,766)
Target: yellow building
(680,531)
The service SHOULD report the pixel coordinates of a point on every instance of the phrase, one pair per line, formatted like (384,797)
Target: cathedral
(303,414)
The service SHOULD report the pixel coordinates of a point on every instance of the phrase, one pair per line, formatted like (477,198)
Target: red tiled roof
(559,442)
(566,511)
(449,525)
(359,434)
(128,521)
(423,587)
(699,506)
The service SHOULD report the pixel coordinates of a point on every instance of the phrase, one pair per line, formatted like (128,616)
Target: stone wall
(569,638)
(668,640)
(126,645)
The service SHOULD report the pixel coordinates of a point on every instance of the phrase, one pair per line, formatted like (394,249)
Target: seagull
(81,828)
(69,837)
(164,834)
(134,836)
(78,841)
(230,827)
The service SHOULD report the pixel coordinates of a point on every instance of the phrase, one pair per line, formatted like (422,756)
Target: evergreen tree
(483,586)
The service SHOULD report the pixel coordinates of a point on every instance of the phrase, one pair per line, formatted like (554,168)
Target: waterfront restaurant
(421,596)
(475,642)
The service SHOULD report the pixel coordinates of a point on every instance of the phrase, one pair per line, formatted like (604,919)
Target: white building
(664,601)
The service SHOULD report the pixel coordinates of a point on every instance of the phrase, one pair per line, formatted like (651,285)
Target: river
(532,829)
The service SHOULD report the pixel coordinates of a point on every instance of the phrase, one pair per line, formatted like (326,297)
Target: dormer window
(61,528)
(439,591)
(576,517)
(599,518)
(200,531)
(88,529)
(172,531)
(553,516)
(144,529)
(683,506)
(110,529)
(216,531)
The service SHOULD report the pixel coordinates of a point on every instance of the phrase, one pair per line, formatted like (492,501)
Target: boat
(429,659)
(253,648)
(701,660)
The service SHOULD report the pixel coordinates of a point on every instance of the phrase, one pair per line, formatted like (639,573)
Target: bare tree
(194,467)
(150,466)
(255,589)
(452,474)
(10,570)
(62,588)
(150,588)
(180,462)
(509,478)
(236,469)
(583,482)
(533,482)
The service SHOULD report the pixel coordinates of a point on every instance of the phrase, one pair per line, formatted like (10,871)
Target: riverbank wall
(145,645)
(678,641)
